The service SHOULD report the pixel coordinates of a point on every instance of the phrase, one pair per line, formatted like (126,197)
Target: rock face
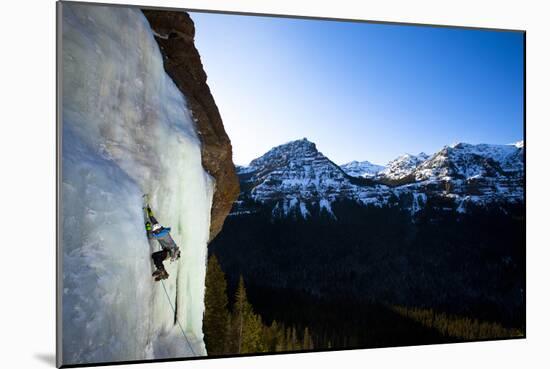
(174,33)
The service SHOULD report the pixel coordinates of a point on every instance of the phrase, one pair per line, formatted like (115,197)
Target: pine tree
(216,315)
(246,327)
(238,316)
(280,344)
(228,346)
(308,342)
(270,336)
(295,343)
(288,339)
(252,337)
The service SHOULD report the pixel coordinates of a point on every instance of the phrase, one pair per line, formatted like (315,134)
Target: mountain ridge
(296,175)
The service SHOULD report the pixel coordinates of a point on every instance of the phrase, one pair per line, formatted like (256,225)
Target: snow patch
(324,204)
(419,200)
(303,210)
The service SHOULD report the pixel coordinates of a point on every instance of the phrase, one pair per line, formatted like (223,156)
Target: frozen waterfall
(126,131)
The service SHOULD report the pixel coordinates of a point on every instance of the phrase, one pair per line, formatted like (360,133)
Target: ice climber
(167,244)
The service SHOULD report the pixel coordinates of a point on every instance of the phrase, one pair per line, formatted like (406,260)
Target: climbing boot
(162,275)
(158,272)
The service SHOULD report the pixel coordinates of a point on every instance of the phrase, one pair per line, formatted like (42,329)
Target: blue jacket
(165,240)
(163,232)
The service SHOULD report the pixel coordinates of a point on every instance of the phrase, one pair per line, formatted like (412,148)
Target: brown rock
(175,34)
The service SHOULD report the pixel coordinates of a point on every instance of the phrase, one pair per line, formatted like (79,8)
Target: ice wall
(126,131)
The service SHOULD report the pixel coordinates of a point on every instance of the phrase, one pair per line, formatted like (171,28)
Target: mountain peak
(295,174)
(364,169)
(304,142)
(286,152)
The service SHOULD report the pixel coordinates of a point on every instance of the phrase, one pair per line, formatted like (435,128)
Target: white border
(28,181)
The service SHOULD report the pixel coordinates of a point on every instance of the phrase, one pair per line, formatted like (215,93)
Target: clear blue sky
(360,91)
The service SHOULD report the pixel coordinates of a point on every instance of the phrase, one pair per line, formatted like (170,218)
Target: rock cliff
(175,33)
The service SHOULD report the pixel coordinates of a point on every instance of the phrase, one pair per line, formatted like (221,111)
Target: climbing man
(167,244)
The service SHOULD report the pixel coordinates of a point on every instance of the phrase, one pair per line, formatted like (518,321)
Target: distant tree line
(340,276)
(239,330)
(465,264)
(454,326)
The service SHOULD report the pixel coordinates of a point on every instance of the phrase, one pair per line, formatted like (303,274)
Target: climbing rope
(176,316)
(146,200)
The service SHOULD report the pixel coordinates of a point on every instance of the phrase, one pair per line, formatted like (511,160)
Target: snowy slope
(126,131)
(402,166)
(364,169)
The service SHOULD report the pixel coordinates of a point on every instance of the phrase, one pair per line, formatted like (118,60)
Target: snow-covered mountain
(457,161)
(473,173)
(467,162)
(402,166)
(364,169)
(127,131)
(296,176)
